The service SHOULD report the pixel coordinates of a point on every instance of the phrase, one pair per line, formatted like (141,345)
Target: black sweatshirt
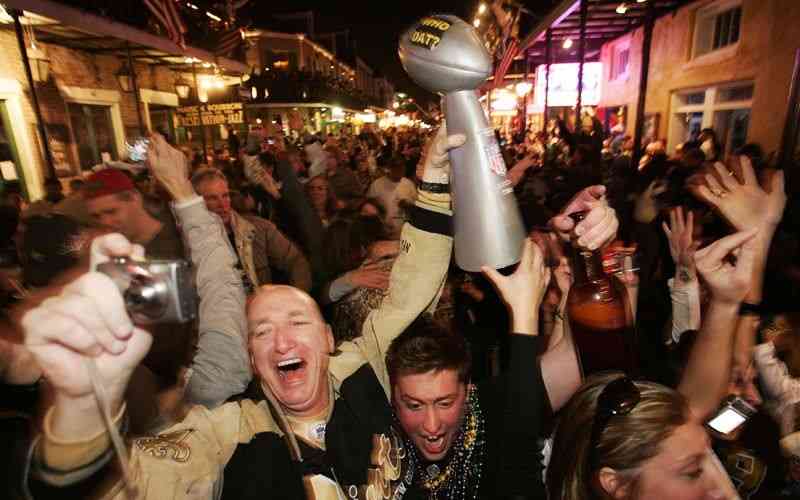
(513,407)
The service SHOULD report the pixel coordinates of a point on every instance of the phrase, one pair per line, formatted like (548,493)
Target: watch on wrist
(749,309)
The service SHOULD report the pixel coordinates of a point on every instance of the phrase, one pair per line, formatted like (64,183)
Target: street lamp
(40,65)
(567,43)
(182,88)
(124,78)
(481,8)
(476,23)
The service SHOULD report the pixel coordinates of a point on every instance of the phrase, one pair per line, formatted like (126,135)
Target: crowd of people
(337,352)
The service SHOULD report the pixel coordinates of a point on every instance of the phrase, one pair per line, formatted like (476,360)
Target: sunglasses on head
(618,397)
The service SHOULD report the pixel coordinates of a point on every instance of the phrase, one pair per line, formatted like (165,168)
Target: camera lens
(146,297)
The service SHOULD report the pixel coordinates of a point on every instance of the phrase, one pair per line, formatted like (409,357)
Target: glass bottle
(600,316)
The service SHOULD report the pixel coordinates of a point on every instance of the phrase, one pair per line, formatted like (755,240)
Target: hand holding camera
(86,322)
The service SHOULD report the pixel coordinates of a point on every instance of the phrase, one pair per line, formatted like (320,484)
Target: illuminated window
(281,60)
(717,27)
(724,108)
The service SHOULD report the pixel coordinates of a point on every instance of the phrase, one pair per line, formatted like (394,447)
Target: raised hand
(555,260)
(646,207)
(370,276)
(729,283)
(169,167)
(271,185)
(87,320)
(517,172)
(524,289)
(598,228)
(436,167)
(745,205)
(680,236)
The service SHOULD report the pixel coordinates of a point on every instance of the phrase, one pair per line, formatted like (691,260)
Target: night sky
(376,26)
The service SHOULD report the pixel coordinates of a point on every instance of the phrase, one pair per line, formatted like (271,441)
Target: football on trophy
(443,53)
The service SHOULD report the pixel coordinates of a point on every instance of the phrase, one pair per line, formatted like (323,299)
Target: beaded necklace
(460,478)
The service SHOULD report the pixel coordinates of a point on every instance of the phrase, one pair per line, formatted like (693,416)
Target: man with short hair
(341,179)
(396,193)
(258,243)
(114,202)
(463,440)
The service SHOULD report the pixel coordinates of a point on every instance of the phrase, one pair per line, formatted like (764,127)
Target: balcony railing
(304,86)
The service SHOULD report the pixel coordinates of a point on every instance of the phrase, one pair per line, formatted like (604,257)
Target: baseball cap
(107,181)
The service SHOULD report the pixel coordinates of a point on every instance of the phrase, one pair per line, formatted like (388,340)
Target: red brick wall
(75,69)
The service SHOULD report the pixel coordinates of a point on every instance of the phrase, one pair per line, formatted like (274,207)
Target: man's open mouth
(289,368)
(434,444)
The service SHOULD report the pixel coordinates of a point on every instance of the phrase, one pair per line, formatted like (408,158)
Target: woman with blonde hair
(623,439)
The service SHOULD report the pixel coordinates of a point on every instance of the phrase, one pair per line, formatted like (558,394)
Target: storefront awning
(603,23)
(73,28)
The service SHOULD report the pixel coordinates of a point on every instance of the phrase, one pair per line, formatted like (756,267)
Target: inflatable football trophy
(445,55)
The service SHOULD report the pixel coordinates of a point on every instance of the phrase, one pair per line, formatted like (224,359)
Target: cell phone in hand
(137,152)
(732,415)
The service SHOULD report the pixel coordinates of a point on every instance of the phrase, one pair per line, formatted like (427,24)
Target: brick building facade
(721,64)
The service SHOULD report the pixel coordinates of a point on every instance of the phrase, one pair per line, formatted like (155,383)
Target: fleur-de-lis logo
(170,445)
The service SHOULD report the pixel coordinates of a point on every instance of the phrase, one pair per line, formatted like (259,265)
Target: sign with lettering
(230,113)
(429,32)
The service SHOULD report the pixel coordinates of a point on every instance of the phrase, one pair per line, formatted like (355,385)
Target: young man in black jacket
(463,440)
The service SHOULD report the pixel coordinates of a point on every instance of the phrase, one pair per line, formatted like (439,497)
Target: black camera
(155,291)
